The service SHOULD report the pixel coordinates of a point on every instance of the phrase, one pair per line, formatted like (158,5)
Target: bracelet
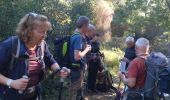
(9,82)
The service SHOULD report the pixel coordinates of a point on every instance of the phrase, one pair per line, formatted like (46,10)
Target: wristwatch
(9,82)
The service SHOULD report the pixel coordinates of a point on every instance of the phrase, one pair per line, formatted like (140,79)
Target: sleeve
(48,57)
(133,69)
(125,53)
(5,54)
(77,42)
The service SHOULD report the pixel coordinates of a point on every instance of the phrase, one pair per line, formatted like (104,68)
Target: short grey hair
(129,39)
(91,27)
(142,43)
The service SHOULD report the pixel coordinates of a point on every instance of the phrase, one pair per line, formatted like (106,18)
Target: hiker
(94,61)
(137,70)
(130,51)
(88,37)
(90,33)
(23,59)
(78,51)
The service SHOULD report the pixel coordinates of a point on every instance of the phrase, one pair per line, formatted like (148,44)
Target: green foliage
(51,88)
(80,8)
(116,42)
(61,13)
(139,16)
(130,16)
(112,58)
(145,19)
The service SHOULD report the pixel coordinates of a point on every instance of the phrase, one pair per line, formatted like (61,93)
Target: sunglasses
(31,14)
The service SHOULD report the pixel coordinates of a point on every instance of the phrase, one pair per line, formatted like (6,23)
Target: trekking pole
(62,81)
(120,81)
(61,87)
(118,94)
(25,77)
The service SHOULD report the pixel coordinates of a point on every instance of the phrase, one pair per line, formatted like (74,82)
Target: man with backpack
(137,69)
(23,60)
(78,51)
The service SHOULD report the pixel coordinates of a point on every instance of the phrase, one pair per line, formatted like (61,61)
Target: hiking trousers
(92,74)
(75,89)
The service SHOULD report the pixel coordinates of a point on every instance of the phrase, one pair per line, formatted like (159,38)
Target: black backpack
(106,83)
(104,79)
(62,48)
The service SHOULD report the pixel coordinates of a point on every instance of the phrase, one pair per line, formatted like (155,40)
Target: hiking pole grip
(25,77)
(51,76)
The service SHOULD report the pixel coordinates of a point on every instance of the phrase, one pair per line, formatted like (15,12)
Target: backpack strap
(15,55)
(42,49)
(76,33)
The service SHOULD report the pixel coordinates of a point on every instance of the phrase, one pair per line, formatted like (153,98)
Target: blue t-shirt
(77,43)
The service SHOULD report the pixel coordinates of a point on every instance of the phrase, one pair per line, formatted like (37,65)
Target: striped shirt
(35,69)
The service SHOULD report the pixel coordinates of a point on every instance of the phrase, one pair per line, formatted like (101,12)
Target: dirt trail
(100,96)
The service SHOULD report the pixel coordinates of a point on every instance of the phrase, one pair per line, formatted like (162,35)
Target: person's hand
(88,47)
(64,72)
(20,84)
(121,76)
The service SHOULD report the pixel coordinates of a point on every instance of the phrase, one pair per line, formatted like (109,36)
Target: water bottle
(25,77)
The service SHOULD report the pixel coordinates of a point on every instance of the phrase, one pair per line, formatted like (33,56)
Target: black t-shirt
(130,53)
(95,47)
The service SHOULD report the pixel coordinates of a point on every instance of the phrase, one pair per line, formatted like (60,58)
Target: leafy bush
(112,58)
(51,88)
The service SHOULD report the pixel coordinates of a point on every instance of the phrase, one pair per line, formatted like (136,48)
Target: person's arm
(19,84)
(5,47)
(132,75)
(50,62)
(77,44)
(49,59)
(80,54)
(130,82)
(3,79)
